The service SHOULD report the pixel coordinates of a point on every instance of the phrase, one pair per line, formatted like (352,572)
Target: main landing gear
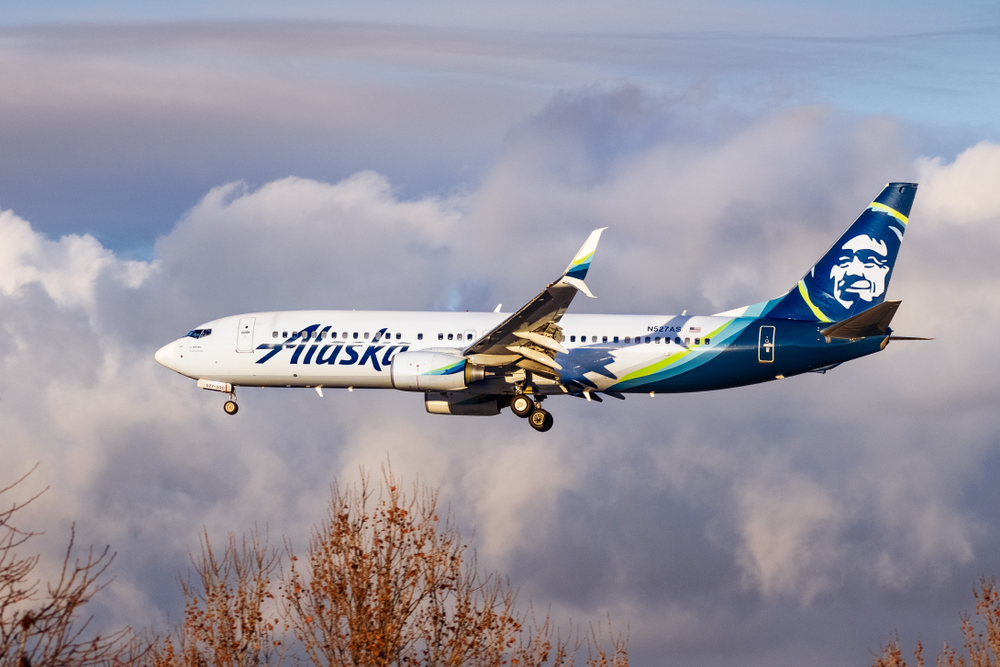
(523,406)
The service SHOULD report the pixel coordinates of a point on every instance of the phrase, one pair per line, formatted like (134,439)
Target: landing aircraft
(480,363)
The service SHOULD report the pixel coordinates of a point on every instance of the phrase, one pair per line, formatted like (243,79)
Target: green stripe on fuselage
(672,359)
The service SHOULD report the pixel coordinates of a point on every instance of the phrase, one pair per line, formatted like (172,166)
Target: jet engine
(463,403)
(433,371)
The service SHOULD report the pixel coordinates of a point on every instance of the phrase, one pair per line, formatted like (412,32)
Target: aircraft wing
(531,337)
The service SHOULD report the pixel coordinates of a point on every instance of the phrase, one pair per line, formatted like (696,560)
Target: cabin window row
(458,336)
(640,339)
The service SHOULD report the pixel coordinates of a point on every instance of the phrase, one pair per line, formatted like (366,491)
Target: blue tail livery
(854,274)
(483,363)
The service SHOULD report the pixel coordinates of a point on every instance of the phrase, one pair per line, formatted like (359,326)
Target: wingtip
(581,261)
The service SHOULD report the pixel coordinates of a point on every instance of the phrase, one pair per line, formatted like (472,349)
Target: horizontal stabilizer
(871,322)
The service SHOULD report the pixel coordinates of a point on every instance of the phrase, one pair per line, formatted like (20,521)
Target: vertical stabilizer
(854,274)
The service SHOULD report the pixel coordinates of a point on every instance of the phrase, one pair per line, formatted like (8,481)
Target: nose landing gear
(230,406)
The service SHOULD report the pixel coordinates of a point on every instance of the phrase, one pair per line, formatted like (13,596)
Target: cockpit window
(199,333)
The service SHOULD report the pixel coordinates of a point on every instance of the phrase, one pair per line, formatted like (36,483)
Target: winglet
(578,284)
(578,267)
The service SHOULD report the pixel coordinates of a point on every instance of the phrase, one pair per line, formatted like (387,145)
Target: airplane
(483,362)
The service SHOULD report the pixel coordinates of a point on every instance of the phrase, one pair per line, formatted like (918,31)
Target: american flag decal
(694,329)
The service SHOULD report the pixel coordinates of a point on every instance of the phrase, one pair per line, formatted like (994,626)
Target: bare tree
(387,585)
(40,629)
(982,636)
(229,613)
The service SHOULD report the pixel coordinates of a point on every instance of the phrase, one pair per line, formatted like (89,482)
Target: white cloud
(67,269)
(963,192)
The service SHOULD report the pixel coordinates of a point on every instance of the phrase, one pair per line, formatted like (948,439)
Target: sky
(164,165)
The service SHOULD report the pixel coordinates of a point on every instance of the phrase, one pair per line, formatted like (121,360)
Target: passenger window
(284,334)
(468,336)
(707,341)
(440,336)
(687,341)
(420,336)
(647,339)
(628,339)
(355,335)
(366,335)
(398,335)
(697,341)
(604,339)
(593,339)
(677,340)
(451,337)
(344,336)
(572,339)
(305,335)
(616,339)
(656,340)
(274,335)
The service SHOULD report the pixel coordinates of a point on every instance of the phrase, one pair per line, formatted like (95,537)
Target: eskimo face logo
(860,271)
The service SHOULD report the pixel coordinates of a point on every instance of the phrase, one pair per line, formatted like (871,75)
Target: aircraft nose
(165,355)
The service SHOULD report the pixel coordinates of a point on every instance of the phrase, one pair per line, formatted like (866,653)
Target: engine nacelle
(462,403)
(432,371)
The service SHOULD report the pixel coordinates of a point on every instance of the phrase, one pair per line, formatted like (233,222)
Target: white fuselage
(356,348)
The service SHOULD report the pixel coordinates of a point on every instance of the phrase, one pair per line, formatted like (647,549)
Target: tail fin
(854,274)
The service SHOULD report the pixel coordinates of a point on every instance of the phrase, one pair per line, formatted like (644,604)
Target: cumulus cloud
(964,191)
(796,504)
(66,269)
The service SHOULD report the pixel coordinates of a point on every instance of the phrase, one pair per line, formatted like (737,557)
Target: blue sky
(164,165)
